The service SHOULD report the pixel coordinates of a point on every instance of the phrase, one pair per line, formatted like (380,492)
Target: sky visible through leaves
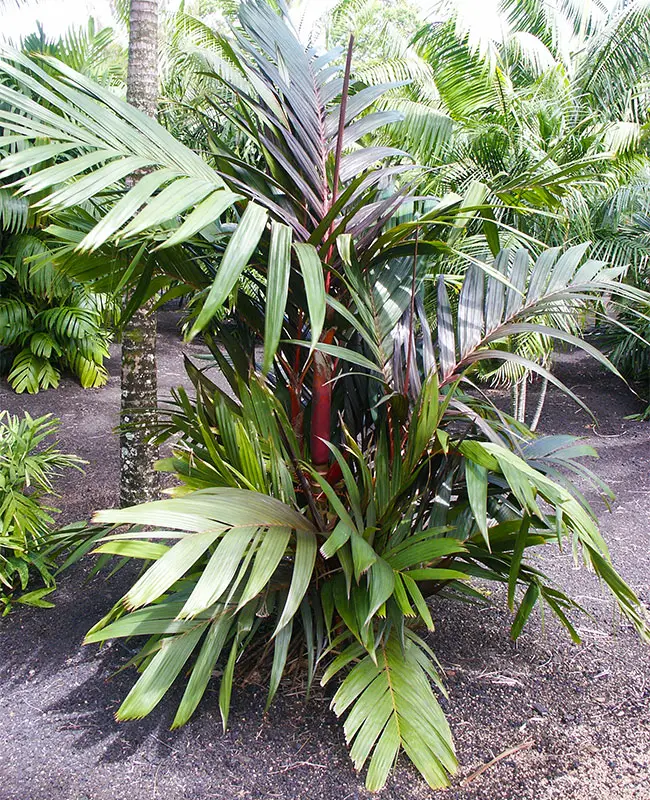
(57,16)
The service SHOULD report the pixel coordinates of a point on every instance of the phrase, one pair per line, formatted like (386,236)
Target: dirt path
(582,713)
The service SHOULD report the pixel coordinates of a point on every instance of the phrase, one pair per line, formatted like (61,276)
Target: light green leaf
(270,553)
(337,538)
(418,600)
(206,212)
(390,704)
(219,571)
(240,248)
(159,674)
(133,549)
(225,690)
(312,274)
(279,269)
(156,620)
(515,563)
(125,208)
(363,555)
(281,649)
(168,569)
(381,579)
(303,568)
(202,671)
(476,478)
(524,610)
(343,353)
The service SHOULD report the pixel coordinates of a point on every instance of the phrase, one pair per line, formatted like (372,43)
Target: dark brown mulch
(583,713)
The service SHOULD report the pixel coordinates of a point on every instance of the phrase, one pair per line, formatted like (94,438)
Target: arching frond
(90,50)
(450,57)
(617,56)
(31,373)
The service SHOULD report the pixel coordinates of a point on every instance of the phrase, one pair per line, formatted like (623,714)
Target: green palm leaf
(229,518)
(390,705)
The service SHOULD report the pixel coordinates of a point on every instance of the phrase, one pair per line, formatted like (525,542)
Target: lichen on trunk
(139,391)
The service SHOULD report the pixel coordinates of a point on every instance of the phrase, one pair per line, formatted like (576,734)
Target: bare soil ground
(582,714)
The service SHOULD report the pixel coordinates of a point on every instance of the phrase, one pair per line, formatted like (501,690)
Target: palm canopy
(595,41)
(560,55)
(306,127)
(561,161)
(94,51)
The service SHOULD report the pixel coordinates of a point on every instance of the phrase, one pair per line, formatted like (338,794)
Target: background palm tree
(49,323)
(548,125)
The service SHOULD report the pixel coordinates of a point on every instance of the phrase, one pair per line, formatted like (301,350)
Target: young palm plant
(29,461)
(49,323)
(352,472)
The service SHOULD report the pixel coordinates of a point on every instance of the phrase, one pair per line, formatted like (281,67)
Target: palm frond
(616,56)
(13,212)
(391,706)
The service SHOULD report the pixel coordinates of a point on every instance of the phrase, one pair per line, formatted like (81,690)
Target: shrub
(262,554)
(28,463)
(47,322)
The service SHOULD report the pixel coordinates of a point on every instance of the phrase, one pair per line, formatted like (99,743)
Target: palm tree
(139,381)
(350,472)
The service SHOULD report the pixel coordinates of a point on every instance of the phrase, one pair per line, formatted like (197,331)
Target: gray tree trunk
(523,396)
(540,405)
(514,398)
(138,481)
